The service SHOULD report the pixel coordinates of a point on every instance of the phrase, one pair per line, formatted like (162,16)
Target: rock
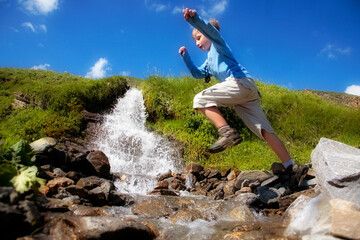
(152,208)
(90,182)
(242,213)
(268,196)
(87,211)
(77,190)
(100,227)
(245,190)
(246,199)
(54,184)
(194,168)
(251,177)
(345,219)
(294,208)
(337,168)
(285,201)
(42,145)
(100,163)
(10,218)
(165,192)
(31,212)
(231,176)
(164,176)
(97,196)
(186,215)
(270,182)
(5,194)
(162,185)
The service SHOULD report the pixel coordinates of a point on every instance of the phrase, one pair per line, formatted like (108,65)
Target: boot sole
(235,142)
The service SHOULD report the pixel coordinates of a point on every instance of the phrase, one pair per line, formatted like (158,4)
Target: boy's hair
(212,21)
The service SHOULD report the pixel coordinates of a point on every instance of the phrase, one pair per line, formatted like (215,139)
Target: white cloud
(35,29)
(157,6)
(41,67)
(99,69)
(40,6)
(353,89)
(332,52)
(29,26)
(214,8)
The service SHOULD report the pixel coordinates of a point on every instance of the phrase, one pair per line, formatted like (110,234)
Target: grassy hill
(300,118)
(55,101)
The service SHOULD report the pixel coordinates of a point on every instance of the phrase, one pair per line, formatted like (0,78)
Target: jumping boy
(236,89)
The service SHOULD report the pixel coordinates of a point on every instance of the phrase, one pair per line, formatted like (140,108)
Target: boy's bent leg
(227,136)
(214,115)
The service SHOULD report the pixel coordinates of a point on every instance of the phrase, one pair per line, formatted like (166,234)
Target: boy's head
(201,41)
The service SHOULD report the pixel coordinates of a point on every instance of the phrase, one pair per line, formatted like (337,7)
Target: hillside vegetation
(299,118)
(56,100)
(55,103)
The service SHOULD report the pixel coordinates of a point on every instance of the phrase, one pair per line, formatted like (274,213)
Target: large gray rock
(43,144)
(337,168)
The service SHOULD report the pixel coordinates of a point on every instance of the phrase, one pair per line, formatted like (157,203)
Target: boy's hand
(188,13)
(182,50)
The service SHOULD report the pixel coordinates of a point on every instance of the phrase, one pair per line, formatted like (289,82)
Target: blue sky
(307,44)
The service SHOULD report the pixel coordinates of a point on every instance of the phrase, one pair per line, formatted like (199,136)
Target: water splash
(131,148)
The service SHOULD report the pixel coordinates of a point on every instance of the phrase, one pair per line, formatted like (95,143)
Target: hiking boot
(297,173)
(228,137)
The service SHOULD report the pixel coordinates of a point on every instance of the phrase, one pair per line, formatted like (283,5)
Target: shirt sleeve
(196,72)
(210,32)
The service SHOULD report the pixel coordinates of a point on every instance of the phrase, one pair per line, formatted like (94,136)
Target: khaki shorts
(243,96)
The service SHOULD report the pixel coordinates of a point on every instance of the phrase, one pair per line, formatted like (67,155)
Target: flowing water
(138,155)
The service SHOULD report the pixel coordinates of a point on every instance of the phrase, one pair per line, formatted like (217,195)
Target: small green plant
(17,170)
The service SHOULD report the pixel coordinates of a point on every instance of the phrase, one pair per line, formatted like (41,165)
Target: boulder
(337,168)
(42,145)
(100,163)
(345,219)
(194,168)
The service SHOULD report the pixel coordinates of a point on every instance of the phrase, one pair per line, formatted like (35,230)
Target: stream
(138,155)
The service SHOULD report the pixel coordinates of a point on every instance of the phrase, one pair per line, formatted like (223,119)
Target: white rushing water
(134,151)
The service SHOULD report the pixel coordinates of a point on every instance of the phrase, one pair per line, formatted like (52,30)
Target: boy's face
(201,41)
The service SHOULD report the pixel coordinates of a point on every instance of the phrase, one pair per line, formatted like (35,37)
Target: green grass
(300,119)
(57,100)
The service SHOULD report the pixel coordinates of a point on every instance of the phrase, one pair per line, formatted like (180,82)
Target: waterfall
(134,151)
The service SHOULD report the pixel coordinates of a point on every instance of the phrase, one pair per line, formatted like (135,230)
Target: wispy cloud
(39,7)
(156,5)
(99,69)
(36,28)
(213,8)
(353,89)
(332,52)
(28,25)
(41,67)
(177,9)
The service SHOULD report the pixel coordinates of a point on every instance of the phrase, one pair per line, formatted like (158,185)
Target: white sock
(226,126)
(288,163)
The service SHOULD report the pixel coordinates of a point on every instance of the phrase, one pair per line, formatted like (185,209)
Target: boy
(236,89)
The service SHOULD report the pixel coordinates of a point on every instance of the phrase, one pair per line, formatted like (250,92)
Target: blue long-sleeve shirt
(220,61)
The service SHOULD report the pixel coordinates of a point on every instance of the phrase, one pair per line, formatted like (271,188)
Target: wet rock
(164,184)
(165,192)
(99,227)
(186,215)
(97,196)
(164,176)
(42,145)
(345,219)
(100,163)
(87,211)
(194,168)
(242,213)
(337,168)
(152,208)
